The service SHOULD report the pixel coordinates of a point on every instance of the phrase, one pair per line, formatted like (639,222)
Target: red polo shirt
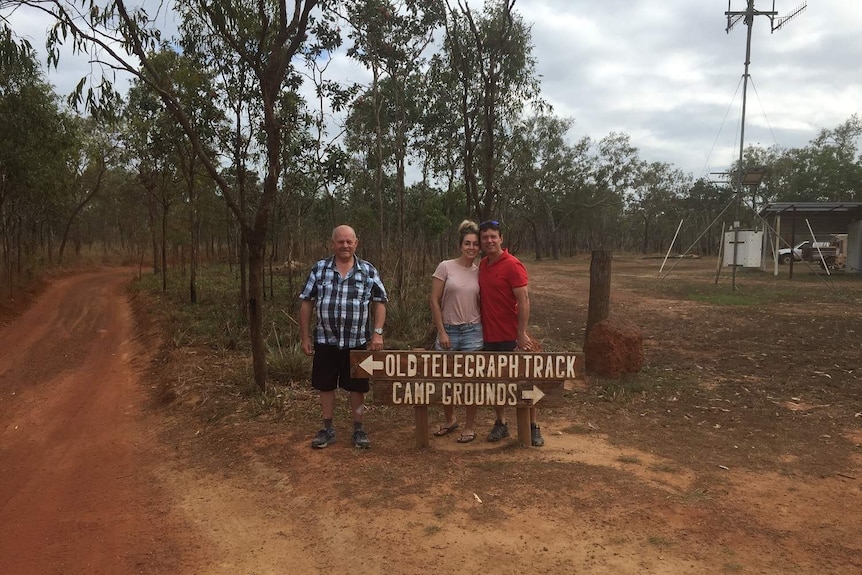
(498,303)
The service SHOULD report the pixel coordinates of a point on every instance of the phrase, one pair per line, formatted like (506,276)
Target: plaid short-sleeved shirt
(343,304)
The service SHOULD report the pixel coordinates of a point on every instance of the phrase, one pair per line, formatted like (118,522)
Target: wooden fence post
(600,289)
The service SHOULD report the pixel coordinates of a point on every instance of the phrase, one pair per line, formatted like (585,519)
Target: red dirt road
(79,488)
(724,461)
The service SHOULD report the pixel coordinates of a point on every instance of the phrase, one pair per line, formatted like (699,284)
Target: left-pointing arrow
(369,365)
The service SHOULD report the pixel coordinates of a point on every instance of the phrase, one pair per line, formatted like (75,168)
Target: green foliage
(287,362)
(647,381)
(408,316)
(16,56)
(828,169)
(52,164)
(490,56)
(751,294)
(214,322)
(726,298)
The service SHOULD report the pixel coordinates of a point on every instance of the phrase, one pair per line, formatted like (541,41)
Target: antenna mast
(733,17)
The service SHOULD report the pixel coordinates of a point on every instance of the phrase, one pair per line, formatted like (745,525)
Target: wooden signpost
(421,378)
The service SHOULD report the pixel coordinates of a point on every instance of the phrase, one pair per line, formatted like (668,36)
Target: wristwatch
(378,330)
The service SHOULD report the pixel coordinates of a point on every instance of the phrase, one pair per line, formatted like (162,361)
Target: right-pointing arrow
(534,394)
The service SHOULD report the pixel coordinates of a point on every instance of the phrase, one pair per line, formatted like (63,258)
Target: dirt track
(79,461)
(722,467)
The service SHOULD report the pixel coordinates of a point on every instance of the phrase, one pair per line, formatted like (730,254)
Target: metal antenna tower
(776,22)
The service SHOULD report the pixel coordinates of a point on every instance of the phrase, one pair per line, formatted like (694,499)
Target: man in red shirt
(505,305)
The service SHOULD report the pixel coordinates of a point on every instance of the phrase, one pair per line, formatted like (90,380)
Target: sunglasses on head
(490,224)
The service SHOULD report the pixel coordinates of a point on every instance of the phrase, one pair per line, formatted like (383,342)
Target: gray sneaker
(536,437)
(360,439)
(500,431)
(323,438)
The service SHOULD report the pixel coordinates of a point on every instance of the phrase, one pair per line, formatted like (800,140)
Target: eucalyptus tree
(750,198)
(319,147)
(439,125)
(491,55)
(829,168)
(266,36)
(92,152)
(35,142)
(614,170)
(703,203)
(544,178)
(368,21)
(115,216)
(390,37)
(16,52)
(239,140)
(368,151)
(194,86)
(655,203)
(153,147)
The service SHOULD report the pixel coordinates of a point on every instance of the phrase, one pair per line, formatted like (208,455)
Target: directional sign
(370,366)
(534,395)
(461,393)
(482,366)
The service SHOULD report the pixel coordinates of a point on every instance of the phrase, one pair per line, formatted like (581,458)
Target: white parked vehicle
(784,253)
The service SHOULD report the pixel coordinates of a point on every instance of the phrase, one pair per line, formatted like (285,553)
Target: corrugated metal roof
(811,208)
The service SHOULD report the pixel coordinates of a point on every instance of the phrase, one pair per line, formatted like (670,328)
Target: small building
(792,222)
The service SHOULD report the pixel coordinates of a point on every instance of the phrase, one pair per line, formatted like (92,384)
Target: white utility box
(748,248)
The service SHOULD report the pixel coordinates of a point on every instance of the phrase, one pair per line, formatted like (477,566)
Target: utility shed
(792,222)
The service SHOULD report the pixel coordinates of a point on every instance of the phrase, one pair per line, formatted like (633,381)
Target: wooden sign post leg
(524,438)
(422,426)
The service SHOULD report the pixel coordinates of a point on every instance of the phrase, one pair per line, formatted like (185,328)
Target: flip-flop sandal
(466,438)
(446,430)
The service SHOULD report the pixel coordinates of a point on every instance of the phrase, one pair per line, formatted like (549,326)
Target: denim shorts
(463,337)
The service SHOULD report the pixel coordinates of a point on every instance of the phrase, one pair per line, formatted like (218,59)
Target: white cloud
(667,73)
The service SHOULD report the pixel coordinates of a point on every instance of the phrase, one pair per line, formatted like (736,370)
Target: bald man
(350,300)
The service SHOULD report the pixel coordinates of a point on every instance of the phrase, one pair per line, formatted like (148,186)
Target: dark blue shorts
(500,345)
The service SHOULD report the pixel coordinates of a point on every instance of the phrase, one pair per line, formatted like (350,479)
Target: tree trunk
(400,184)
(164,247)
(255,313)
(194,236)
(19,257)
(79,207)
(243,275)
(154,235)
(378,157)
(600,289)
(645,246)
(537,241)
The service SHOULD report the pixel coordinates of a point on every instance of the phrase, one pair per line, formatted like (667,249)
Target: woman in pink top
(455,311)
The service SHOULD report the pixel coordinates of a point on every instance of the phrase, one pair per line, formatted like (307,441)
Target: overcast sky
(669,75)
(666,72)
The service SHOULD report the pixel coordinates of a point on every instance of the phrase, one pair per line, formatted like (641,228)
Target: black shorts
(500,346)
(330,369)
